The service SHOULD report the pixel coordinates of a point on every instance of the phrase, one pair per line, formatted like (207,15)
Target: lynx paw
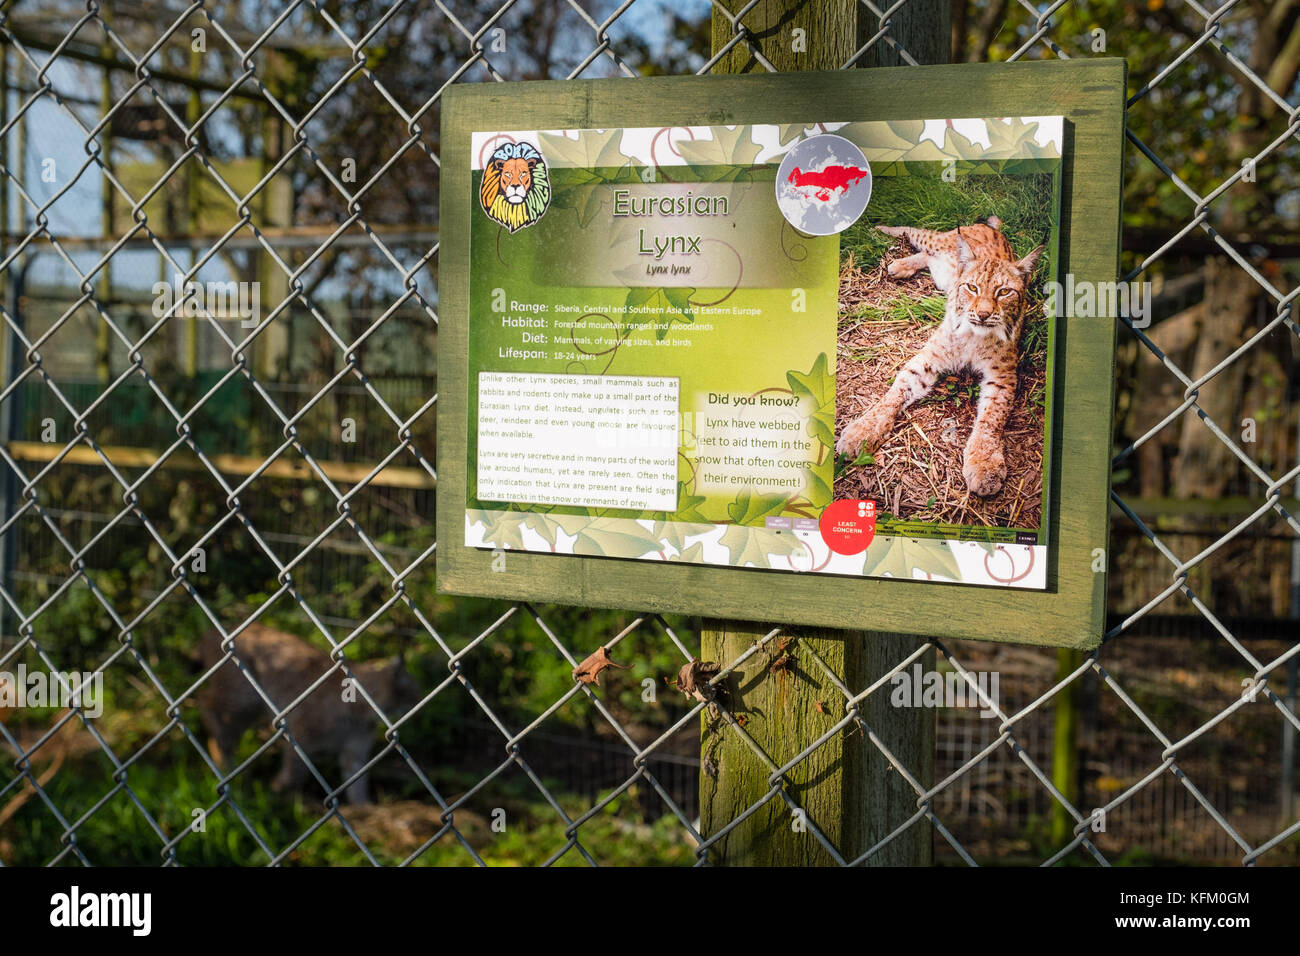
(985,473)
(861,433)
(907,267)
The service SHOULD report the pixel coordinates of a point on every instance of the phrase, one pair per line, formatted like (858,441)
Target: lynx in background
(284,665)
(986,287)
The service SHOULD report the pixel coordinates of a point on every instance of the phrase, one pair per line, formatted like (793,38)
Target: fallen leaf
(588,672)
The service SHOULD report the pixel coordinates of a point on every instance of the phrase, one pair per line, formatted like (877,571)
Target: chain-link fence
(193,487)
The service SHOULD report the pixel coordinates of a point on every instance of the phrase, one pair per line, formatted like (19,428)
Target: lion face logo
(516,188)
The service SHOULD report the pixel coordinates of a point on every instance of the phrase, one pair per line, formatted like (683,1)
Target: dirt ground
(917,472)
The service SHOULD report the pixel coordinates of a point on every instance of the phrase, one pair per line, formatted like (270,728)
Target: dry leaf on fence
(693,679)
(588,672)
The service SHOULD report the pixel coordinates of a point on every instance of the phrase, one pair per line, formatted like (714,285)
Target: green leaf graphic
(672,535)
(611,537)
(925,151)
(750,509)
(819,493)
(688,506)
(586,195)
(503,529)
(588,166)
(692,555)
(888,143)
(816,389)
(544,526)
(1010,138)
(756,545)
(787,133)
(899,557)
(725,157)
(667,306)
(590,150)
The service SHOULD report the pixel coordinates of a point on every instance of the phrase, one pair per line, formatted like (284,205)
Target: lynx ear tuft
(963,250)
(1026,265)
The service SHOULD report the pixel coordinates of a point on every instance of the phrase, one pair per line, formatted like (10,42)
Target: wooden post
(846,787)
(277,212)
(193,212)
(276,205)
(1065,749)
(104,290)
(4,186)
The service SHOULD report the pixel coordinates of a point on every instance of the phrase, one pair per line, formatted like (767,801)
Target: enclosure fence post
(846,788)
(1065,745)
(104,287)
(1288,729)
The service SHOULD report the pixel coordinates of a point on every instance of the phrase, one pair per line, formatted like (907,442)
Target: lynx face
(988,297)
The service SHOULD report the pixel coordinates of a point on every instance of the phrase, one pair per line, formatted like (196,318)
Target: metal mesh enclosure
(179,464)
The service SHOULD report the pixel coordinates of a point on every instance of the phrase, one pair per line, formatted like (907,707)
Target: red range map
(826,181)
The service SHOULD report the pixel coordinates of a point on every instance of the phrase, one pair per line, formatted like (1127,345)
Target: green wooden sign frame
(1071,611)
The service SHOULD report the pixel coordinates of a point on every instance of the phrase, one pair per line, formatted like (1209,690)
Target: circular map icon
(823,185)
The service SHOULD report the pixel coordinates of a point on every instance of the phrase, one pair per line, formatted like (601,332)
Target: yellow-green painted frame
(1090,94)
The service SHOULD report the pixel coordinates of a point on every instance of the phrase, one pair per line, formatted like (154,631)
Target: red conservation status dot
(848,526)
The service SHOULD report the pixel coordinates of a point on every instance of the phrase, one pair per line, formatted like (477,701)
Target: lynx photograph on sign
(802,365)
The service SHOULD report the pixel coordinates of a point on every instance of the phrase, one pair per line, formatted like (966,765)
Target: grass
(883,322)
(896,308)
(1024,203)
(170,780)
(175,784)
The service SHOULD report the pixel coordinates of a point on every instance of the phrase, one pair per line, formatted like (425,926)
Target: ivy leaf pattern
(609,537)
(755,546)
(751,509)
(816,390)
(667,306)
(899,557)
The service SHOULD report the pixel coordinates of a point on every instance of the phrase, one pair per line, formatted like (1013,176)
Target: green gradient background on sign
(580,224)
(595,247)
(740,355)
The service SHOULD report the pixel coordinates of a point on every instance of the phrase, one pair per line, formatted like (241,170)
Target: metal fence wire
(125,466)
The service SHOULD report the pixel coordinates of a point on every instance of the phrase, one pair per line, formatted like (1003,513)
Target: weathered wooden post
(104,285)
(276,207)
(1065,748)
(846,787)
(193,209)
